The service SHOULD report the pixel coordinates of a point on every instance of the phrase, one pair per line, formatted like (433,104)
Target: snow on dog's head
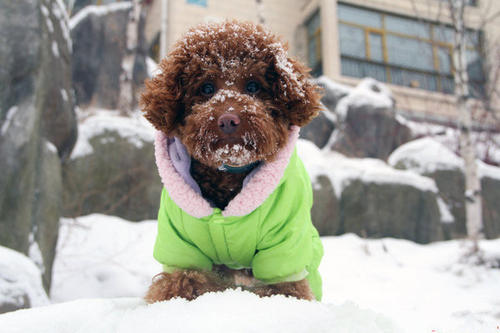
(230,87)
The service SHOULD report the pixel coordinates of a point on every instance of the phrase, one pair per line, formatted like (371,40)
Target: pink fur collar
(252,195)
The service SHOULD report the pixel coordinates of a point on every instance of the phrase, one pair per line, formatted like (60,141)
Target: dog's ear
(162,99)
(293,88)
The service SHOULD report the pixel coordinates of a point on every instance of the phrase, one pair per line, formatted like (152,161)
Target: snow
(55,49)
(98,11)
(152,67)
(18,277)
(368,92)
(425,155)
(94,261)
(336,88)
(93,122)
(8,119)
(486,170)
(383,285)
(35,254)
(230,311)
(64,95)
(342,170)
(444,211)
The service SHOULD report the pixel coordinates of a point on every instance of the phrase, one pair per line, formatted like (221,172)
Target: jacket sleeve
(173,248)
(285,248)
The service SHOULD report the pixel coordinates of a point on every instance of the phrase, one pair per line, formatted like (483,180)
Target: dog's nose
(228,123)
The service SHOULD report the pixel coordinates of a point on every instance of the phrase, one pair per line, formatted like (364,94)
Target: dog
(227,105)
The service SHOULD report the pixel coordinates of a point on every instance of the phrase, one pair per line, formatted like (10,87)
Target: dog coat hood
(266,227)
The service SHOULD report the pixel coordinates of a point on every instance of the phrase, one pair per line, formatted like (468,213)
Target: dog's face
(230,93)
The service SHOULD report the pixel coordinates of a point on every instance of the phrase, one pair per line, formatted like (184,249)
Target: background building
(405,43)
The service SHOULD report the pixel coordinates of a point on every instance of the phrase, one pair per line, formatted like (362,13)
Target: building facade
(407,44)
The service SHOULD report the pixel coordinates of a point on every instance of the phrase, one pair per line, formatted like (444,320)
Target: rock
(325,211)
(99,36)
(319,129)
(369,198)
(367,123)
(33,47)
(20,282)
(112,170)
(59,119)
(332,92)
(430,158)
(390,210)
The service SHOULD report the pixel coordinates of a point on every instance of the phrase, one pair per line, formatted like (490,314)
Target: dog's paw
(187,284)
(298,289)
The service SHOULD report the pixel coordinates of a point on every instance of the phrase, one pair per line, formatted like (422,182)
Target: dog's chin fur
(229,55)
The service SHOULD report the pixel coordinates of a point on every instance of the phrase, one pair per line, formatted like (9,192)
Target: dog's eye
(207,89)
(252,87)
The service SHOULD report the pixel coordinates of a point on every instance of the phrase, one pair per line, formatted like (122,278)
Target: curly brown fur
(299,289)
(187,284)
(227,56)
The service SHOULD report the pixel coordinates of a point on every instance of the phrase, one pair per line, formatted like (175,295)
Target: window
(202,3)
(313,26)
(403,50)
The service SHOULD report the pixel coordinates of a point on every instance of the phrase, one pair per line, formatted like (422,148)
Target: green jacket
(276,239)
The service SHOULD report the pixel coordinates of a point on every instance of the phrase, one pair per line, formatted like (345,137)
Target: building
(405,43)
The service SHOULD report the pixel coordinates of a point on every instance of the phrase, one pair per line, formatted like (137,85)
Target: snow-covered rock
(370,197)
(112,169)
(429,157)
(367,124)
(20,282)
(425,156)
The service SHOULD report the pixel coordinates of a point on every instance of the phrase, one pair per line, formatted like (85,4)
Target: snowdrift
(230,311)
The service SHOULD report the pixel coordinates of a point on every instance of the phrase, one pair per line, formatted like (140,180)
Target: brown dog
(230,96)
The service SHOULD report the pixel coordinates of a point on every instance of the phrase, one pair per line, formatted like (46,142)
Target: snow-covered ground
(385,285)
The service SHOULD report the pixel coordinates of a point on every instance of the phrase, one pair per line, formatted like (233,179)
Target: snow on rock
(486,170)
(444,211)
(229,311)
(425,155)
(19,279)
(368,92)
(96,122)
(342,170)
(335,87)
(92,260)
(152,67)
(98,11)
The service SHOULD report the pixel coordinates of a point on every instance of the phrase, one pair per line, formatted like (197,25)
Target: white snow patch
(98,11)
(8,118)
(51,147)
(486,170)
(444,211)
(36,255)
(367,92)
(64,94)
(338,89)
(55,49)
(342,170)
(103,256)
(425,155)
(135,129)
(19,276)
(152,67)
